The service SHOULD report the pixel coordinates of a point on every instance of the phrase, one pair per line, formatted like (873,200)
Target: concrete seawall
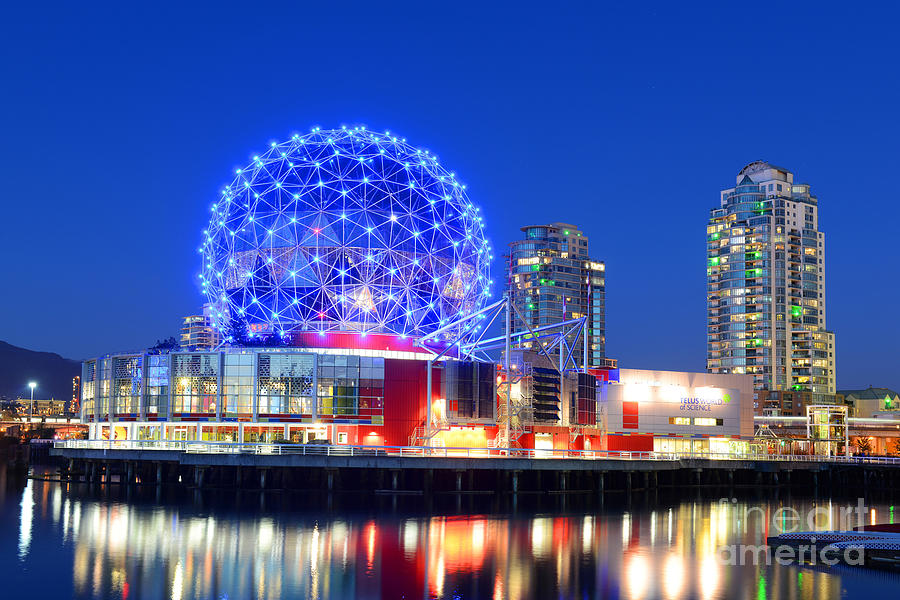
(427,475)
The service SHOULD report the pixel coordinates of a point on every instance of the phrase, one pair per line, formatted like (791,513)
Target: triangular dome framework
(345,230)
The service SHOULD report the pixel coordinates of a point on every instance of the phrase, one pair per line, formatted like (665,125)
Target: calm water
(61,541)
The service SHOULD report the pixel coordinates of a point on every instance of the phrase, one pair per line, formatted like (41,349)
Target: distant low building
(42,407)
(865,403)
(790,403)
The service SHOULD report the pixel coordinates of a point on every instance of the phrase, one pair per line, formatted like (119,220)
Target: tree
(237,332)
(863,445)
(895,447)
(274,341)
(170,344)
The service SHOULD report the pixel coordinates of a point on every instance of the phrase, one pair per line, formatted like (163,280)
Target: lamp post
(32,385)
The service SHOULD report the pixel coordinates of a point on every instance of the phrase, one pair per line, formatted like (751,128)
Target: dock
(416,469)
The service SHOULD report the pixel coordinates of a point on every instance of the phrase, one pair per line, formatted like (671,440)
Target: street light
(32,385)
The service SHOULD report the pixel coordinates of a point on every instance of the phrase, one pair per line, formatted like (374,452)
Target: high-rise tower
(766,286)
(197,332)
(551,278)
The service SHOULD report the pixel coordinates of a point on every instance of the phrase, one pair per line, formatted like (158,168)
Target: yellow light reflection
(587,535)
(673,576)
(636,576)
(410,539)
(178,582)
(26,517)
(370,544)
(540,537)
(124,549)
(439,578)
(498,587)
(478,537)
(709,577)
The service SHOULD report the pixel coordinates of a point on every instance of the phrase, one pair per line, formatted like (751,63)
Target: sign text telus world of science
(696,403)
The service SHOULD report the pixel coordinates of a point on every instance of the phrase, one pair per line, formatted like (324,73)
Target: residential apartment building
(76,394)
(197,332)
(552,278)
(766,303)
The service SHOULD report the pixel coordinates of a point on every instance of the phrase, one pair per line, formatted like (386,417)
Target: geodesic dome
(345,230)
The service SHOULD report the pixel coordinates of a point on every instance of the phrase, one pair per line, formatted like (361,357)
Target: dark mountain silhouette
(52,372)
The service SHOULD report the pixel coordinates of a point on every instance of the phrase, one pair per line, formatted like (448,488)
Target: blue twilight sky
(119,126)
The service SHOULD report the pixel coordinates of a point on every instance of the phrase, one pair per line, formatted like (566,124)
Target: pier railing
(274,448)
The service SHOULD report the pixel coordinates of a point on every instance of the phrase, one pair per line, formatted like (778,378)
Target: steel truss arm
(558,332)
(438,356)
(530,332)
(569,348)
(457,323)
(540,347)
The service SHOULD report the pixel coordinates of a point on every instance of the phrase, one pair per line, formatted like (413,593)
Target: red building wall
(637,442)
(370,341)
(405,386)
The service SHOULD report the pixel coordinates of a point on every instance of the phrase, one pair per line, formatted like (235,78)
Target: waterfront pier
(425,471)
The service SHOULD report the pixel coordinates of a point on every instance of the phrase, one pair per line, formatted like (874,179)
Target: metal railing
(275,448)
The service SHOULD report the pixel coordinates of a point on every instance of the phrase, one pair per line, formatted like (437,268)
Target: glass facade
(285,384)
(88,389)
(371,387)
(235,385)
(128,385)
(469,390)
(105,380)
(586,403)
(350,385)
(338,378)
(156,398)
(196,384)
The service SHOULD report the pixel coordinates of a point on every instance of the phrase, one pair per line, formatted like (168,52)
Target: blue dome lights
(345,230)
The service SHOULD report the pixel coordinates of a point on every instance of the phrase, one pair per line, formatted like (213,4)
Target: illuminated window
(285,384)
(195,380)
(679,420)
(707,422)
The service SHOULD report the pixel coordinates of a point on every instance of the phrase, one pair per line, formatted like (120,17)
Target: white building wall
(663,395)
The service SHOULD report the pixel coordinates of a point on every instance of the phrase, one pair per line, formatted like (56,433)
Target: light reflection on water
(99,548)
